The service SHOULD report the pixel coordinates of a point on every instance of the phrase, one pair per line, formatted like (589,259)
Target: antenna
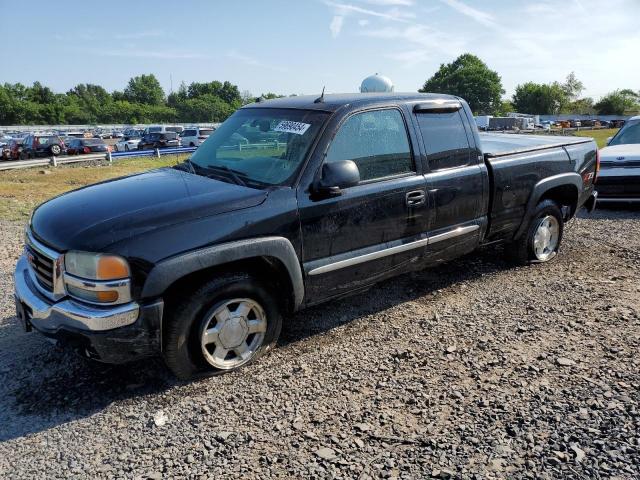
(320,99)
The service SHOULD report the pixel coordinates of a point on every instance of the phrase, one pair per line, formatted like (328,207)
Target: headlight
(96,266)
(97,278)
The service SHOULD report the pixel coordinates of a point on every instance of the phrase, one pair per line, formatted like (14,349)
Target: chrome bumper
(49,316)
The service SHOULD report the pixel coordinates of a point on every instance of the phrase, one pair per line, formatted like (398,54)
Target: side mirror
(335,177)
(609,140)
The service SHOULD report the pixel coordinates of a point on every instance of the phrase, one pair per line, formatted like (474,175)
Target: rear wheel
(541,241)
(55,150)
(126,148)
(225,324)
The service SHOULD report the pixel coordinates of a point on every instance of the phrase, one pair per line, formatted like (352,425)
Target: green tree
(470,78)
(582,106)
(205,108)
(618,102)
(572,87)
(541,99)
(144,89)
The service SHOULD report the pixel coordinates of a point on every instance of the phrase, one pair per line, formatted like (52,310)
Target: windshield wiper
(234,174)
(189,163)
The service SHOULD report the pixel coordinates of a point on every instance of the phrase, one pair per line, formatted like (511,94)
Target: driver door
(360,237)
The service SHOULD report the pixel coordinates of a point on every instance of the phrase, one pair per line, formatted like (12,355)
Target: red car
(12,150)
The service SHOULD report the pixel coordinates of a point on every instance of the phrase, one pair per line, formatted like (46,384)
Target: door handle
(416,198)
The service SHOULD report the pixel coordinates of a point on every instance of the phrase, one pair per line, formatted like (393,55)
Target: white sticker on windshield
(292,127)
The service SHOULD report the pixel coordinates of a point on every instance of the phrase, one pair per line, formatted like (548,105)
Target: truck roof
(333,101)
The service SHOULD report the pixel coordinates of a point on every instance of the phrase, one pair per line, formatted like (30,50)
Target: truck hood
(628,151)
(99,215)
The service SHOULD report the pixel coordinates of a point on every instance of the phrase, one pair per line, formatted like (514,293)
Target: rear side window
(189,133)
(445,139)
(376,141)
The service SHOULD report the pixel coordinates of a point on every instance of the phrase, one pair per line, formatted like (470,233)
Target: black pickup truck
(290,203)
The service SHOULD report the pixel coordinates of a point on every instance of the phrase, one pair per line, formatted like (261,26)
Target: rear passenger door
(352,240)
(456,177)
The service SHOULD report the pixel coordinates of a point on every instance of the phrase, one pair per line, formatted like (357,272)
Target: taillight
(86,150)
(595,177)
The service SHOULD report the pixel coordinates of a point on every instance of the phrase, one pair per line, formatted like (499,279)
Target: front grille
(42,266)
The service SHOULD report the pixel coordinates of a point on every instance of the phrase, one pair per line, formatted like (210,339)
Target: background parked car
(163,129)
(86,145)
(13,149)
(619,178)
(37,145)
(159,140)
(129,142)
(194,136)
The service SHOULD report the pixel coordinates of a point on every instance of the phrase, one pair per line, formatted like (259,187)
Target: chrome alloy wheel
(546,237)
(232,333)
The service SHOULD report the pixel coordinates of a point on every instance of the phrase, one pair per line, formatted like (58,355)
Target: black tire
(182,349)
(522,250)
(22,156)
(192,144)
(126,148)
(55,150)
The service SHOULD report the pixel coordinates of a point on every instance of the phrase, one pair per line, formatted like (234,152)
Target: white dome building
(376,83)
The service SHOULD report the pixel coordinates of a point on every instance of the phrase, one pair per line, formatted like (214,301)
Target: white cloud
(135,35)
(164,54)
(344,9)
(253,62)
(426,42)
(336,25)
(386,3)
(477,15)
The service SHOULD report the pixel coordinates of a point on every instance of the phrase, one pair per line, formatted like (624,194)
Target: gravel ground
(474,369)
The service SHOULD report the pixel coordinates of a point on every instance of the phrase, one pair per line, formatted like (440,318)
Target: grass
(600,136)
(23,190)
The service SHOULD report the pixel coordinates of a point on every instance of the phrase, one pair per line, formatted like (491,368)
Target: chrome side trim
(393,250)
(621,199)
(453,233)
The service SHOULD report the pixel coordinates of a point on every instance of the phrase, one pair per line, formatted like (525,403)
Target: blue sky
(297,46)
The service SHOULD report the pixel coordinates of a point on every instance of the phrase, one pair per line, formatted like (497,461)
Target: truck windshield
(263,146)
(630,133)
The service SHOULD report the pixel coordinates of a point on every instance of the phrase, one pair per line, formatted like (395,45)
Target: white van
(194,136)
(163,129)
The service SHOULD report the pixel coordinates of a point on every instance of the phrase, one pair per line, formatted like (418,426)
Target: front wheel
(225,324)
(55,150)
(541,241)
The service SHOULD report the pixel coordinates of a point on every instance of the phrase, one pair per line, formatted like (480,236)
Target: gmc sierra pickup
(289,203)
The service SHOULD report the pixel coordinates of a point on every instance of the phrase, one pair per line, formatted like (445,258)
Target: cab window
(377,142)
(445,139)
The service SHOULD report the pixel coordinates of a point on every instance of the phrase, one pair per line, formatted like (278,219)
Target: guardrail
(109,156)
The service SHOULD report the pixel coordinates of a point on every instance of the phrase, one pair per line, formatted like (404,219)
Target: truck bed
(501,144)
(516,163)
